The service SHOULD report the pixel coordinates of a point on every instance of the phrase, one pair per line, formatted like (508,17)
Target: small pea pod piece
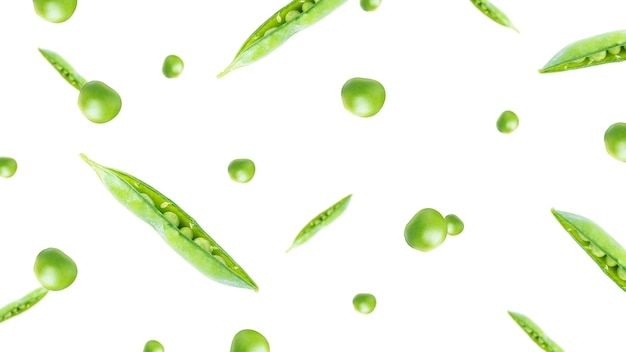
(535,333)
(599,245)
(494,13)
(64,68)
(597,50)
(289,20)
(23,304)
(321,220)
(169,220)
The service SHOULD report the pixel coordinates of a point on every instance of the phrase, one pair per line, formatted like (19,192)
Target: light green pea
(99,102)
(54,269)
(370,5)
(171,217)
(241,170)
(291,15)
(615,141)
(363,97)
(8,167)
(507,122)
(249,341)
(188,232)
(426,230)
(454,224)
(153,346)
(364,303)
(306,6)
(173,66)
(55,11)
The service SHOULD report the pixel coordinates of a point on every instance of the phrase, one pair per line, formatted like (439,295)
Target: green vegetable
(491,11)
(99,102)
(454,224)
(23,304)
(294,17)
(507,122)
(249,341)
(173,66)
(363,97)
(321,220)
(63,68)
(426,230)
(364,303)
(8,167)
(370,5)
(55,11)
(131,192)
(615,141)
(54,269)
(241,170)
(153,346)
(535,333)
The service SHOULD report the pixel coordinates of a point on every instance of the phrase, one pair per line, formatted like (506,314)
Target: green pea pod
(23,304)
(179,230)
(321,220)
(535,333)
(289,20)
(494,13)
(64,68)
(599,245)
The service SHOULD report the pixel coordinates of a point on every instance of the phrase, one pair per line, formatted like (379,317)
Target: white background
(449,72)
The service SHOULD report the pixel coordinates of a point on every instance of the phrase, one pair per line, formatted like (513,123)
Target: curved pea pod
(286,22)
(321,220)
(63,68)
(599,245)
(535,333)
(23,304)
(597,50)
(494,13)
(179,230)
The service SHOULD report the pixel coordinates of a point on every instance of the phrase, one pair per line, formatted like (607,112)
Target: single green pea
(54,269)
(249,341)
(363,97)
(153,346)
(426,230)
(173,66)
(99,102)
(55,11)
(454,224)
(507,122)
(370,5)
(241,170)
(364,303)
(8,166)
(615,141)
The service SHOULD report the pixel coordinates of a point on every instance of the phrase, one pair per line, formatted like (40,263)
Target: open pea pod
(64,68)
(289,20)
(535,333)
(496,15)
(23,304)
(179,230)
(599,245)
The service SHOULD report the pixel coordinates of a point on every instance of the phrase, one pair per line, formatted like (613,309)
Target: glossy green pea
(279,28)
(615,141)
(55,11)
(99,102)
(153,346)
(172,66)
(535,333)
(23,304)
(8,167)
(363,97)
(597,50)
(370,5)
(599,245)
(426,230)
(320,221)
(241,170)
(507,122)
(364,303)
(454,224)
(491,11)
(249,341)
(131,192)
(54,269)
(63,68)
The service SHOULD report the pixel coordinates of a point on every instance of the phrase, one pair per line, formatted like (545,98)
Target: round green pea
(8,166)
(615,141)
(54,269)
(173,66)
(241,170)
(426,230)
(507,122)
(364,303)
(454,224)
(55,11)
(363,97)
(249,341)
(99,102)
(153,346)
(370,5)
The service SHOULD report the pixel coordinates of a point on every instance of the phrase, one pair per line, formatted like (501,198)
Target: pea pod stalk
(23,304)
(182,233)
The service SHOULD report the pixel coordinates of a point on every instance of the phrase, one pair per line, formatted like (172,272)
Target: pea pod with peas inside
(179,230)
(489,10)
(289,20)
(535,333)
